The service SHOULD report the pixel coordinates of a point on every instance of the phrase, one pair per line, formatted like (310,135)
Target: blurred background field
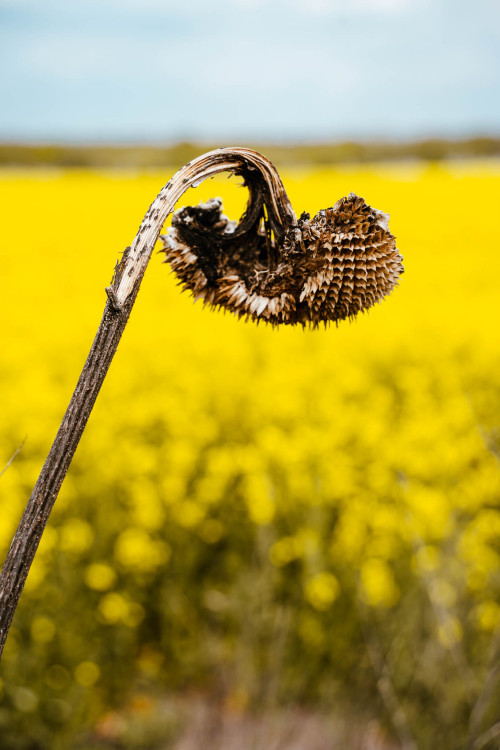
(292,154)
(272,538)
(268,539)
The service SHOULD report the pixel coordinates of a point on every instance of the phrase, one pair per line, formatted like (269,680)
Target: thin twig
(485,738)
(489,689)
(442,616)
(491,681)
(385,684)
(13,457)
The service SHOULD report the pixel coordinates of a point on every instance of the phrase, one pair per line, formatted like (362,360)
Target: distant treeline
(141,156)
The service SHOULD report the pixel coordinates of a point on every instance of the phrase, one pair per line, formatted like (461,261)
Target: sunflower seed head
(319,270)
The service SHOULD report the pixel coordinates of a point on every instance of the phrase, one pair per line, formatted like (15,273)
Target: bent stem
(260,175)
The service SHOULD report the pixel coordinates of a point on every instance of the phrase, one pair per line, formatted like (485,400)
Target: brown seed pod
(273,268)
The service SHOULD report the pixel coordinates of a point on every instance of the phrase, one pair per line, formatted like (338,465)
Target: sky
(159,71)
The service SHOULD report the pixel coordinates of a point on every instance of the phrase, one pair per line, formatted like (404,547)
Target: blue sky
(226,70)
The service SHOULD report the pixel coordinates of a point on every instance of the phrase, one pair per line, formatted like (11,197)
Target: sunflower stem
(121,297)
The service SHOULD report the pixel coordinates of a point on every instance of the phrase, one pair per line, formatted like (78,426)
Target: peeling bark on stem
(40,504)
(121,297)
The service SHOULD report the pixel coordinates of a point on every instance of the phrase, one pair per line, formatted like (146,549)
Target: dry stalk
(385,682)
(269,267)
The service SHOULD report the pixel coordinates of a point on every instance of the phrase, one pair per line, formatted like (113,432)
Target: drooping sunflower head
(275,268)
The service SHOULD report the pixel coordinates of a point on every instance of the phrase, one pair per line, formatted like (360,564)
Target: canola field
(272,517)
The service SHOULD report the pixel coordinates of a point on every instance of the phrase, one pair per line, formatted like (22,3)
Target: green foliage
(296,154)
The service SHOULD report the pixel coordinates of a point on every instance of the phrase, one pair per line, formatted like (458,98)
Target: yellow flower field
(275,516)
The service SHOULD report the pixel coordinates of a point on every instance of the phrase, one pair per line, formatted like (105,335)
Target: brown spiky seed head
(323,269)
